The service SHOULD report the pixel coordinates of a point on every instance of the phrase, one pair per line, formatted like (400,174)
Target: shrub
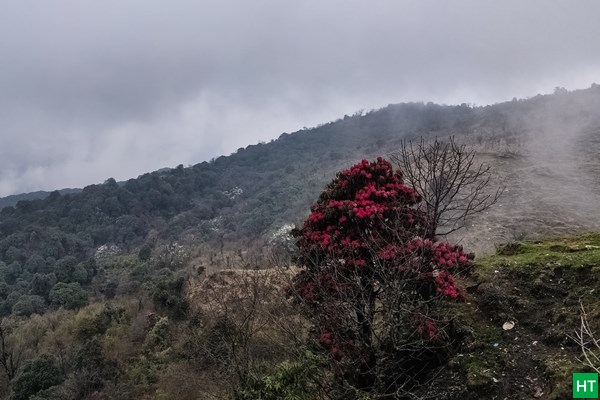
(63,269)
(159,336)
(29,304)
(39,374)
(68,295)
(97,323)
(41,284)
(168,295)
(290,381)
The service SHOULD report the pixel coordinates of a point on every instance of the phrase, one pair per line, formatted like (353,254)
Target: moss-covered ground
(539,287)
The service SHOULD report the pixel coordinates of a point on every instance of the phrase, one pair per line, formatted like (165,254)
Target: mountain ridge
(275,182)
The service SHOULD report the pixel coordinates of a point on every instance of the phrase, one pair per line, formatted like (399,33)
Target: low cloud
(91,90)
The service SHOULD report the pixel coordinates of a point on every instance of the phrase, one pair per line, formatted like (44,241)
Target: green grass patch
(580,250)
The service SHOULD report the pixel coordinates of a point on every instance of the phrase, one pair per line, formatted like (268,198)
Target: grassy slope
(539,286)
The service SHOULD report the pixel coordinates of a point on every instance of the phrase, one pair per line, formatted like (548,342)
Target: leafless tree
(10,358)
(453,185)
(587,341)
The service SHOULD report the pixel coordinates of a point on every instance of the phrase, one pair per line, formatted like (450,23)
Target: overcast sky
(97,89)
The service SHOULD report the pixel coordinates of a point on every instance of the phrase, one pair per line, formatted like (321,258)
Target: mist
(544,155)
(94,90)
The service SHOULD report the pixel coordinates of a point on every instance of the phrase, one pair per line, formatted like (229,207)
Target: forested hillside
(112,289)
(40,194)
(243,201)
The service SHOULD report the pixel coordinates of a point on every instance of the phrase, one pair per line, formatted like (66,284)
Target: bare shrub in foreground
(587,340)
(244,325)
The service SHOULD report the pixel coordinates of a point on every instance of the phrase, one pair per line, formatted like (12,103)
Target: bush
(290,381)
(98,323)
(68,295)
(29,304)
(36,263)
(109,289)
(39,374)
(168,296)
(63,269)
(41,284)
(159,336)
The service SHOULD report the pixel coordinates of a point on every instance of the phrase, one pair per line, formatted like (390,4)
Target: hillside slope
(545,141)
(543,149)
(538,286)
(113,289)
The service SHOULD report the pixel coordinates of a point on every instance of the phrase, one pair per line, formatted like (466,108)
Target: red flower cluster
(427,329)
(361,198)
(326,339)
(444,262)
(359,219)
(337,348)
(446,285)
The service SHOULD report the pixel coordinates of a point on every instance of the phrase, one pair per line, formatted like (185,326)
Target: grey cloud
(94,89)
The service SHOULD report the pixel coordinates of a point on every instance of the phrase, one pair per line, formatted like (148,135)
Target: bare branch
(587,341)
(451,183)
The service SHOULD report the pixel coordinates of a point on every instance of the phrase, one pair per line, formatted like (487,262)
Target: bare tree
(588,342)
(453,185)
(10,358)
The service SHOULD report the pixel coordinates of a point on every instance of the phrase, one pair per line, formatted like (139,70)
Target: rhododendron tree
(372,283)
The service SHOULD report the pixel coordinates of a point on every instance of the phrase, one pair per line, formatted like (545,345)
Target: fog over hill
(550,167)
(91,90)
(542,149)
